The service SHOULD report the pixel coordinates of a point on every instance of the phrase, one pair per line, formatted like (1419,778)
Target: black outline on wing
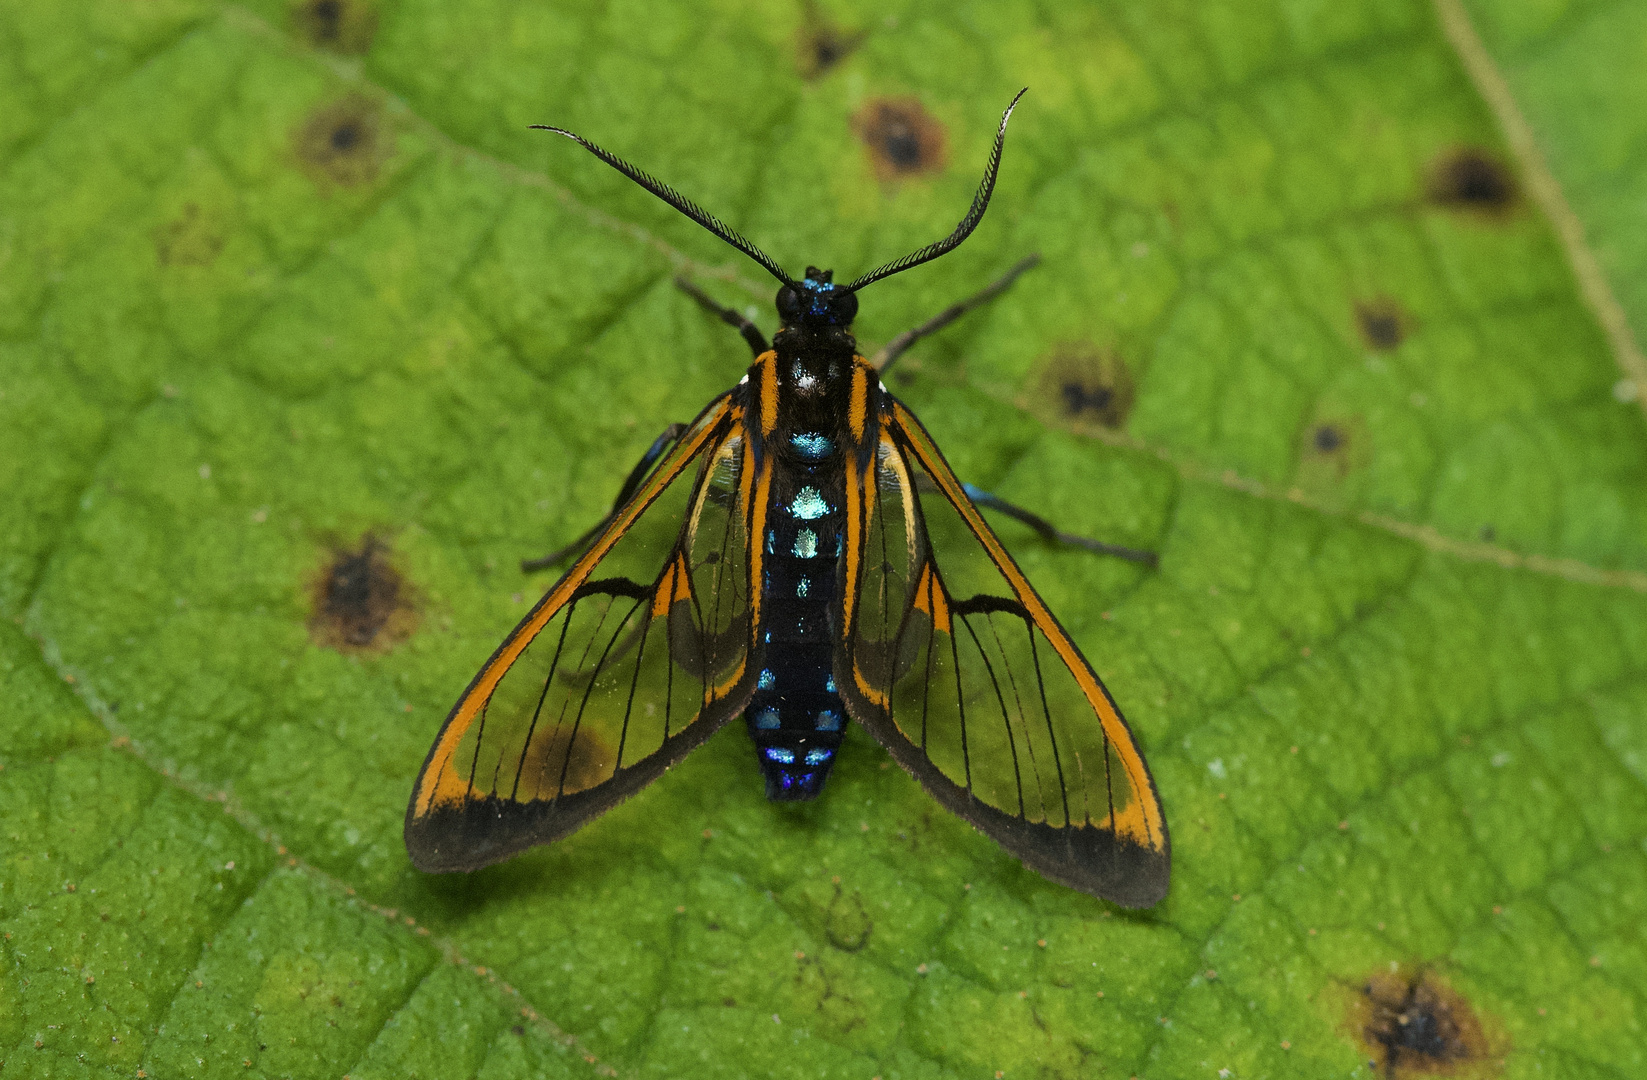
(454,824)
(1132,866)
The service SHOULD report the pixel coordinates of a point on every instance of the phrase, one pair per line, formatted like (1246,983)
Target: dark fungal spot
(730,1003)
(1469,178)
(190,239)
(1415,1025)
(820,44)
(1081,383)
(326,15)
(517,1029)
(343,144)
(827,47)
(361,602)
(1330,448)
(1382,322)
(904,140)
(1079,398)
(344,26)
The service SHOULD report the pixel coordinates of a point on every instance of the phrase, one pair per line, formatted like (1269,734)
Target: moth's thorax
(809,376)
(815,342)
(808,407)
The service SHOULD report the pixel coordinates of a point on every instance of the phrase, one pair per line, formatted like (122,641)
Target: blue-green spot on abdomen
(809,505)
(812,446)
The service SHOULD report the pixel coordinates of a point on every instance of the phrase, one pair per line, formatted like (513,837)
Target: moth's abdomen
(796,718)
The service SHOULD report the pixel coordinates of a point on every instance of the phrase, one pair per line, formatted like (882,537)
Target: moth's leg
(1049,531)
(661,444)
(899,345)
(751,333)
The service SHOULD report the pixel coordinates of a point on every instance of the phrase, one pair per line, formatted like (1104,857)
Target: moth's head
(816,305)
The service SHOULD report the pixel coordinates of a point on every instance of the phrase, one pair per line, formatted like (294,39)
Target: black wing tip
(478,834)
(1085,857)
(1099,863)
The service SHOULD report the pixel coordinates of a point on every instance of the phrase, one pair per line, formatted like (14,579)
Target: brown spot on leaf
(820,44)
(1383,324)
(846,922)
(361,602)
(344,26)
(1469,178)
(1081,383)
(1333,446)
(903,138)
(1328,439)
(1414,1024)
(343,144)
(190,239)
(1334,454)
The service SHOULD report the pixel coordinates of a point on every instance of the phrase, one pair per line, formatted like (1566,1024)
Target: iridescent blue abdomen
(796,718)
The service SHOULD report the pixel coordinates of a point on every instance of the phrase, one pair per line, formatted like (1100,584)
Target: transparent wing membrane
(961,672)
(632,659)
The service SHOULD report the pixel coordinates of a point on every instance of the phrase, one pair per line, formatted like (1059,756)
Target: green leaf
(1575,74)
(288,286)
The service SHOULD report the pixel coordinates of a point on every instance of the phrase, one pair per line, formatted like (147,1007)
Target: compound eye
(846,307)
(789,304)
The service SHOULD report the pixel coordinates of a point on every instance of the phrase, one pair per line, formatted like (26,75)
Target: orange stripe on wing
(929,599)
(673,586)
(857,415)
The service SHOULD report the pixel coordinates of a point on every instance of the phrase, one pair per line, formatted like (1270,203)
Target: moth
(799,555)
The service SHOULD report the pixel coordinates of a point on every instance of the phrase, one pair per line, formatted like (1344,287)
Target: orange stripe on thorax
(768,364)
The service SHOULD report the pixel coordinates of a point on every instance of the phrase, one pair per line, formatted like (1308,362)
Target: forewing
(635,657)
(954,663)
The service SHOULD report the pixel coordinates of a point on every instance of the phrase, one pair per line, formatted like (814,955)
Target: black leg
(751,333)
(1041,525)
(636,475)
(900,344)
